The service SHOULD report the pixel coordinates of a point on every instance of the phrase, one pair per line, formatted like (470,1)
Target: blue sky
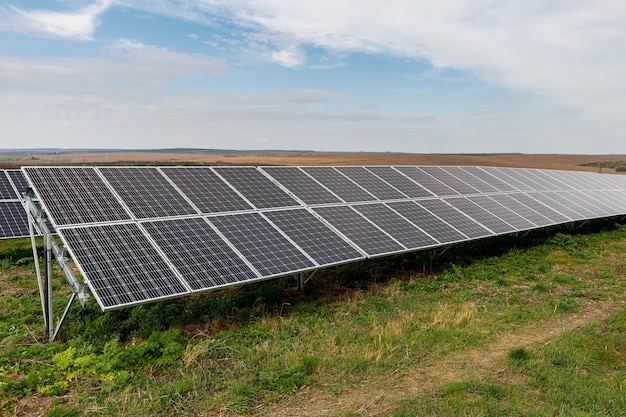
(460,76)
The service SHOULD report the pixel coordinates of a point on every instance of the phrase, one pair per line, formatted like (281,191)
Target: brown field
(548,161)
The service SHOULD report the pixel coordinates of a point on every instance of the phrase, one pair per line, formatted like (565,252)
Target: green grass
(265,347)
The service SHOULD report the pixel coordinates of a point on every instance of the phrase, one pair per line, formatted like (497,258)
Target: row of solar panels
(141,234)
(13,217)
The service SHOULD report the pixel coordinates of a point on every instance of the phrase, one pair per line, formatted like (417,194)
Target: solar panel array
(13,216)
(140,234)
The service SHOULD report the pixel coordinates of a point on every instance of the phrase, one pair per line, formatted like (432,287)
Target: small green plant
(519,354)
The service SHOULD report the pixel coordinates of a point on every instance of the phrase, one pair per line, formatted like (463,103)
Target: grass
(528,325)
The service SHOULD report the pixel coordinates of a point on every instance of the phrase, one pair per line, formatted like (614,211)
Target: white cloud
(77,25)
(125,61)
(568,50)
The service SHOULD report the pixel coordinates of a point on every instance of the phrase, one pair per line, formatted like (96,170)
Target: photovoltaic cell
(341,186)
(320,242)
(147,193)
(261,244)
(363,233)
(120,265)
(453,217)
(75,195)
(526,217)
(256,187)
(427,181)
(558,202)
(6,188)
(522,182)
(549,213)
(13,220)
(395,225)
(595,207)
(544,176)
(469,179)
(400,181)
(489,178)
(199,254)
(502,174)
(567,180)
(484,217)
(371,183)
(431,224)
(301,185)
(18,179)
(608,198)
(541,183)
(507,210)
(450,180)
(208,192)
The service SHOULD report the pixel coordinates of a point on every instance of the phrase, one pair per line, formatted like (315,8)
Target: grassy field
(518,325)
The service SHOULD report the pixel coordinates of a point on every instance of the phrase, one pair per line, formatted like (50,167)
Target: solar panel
(518,180)
(431,224)
(120,265)
(400,181)
(149,233)
(427,181)
(503,175)
(568,180)
(301,185)
(604,197)
(6,188)
(530,202)
(558,202)
(147,193)
(341,186)
(208,192)
(361,232)
(199,254)
(596,208)
(450,180)
(256,187)
(610,199)
(18,179)
(489,178)
(464,224)
(525,217)
(371,183)
(395,225)
(541,183)
(484,217)
(469,179)
(314,237)
(261,244)
(13,220)
(75,195)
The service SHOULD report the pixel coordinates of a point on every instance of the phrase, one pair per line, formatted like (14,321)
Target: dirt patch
(377,396)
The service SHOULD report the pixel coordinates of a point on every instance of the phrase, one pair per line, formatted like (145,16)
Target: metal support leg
(50,312)
(302,281)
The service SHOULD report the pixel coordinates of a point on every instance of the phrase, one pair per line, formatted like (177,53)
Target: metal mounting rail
(38,217)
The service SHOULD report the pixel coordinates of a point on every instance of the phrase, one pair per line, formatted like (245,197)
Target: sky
(422,76)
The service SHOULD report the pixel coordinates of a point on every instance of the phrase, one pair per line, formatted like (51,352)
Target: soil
(549,161)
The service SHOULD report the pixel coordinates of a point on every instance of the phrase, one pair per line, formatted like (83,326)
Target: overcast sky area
(457,76)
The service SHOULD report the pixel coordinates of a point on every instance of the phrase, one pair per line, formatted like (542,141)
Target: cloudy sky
(456,76)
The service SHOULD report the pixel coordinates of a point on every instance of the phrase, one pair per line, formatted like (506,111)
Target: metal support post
(302,281)
(51,250)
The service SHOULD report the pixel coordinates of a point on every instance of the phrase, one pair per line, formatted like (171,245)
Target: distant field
(551,161)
